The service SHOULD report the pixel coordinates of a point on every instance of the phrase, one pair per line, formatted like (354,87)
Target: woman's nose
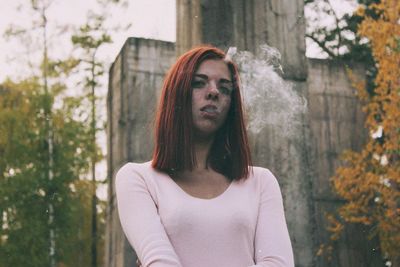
(212,91)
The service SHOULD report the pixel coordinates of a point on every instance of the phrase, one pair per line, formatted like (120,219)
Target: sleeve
(140,220)
(272,246)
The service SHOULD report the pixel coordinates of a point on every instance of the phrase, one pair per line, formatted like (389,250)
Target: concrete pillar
(246,24)
(287,157)
(188,28)
(135,81)
(337,124)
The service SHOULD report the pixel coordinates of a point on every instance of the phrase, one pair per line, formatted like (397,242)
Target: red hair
(174,149)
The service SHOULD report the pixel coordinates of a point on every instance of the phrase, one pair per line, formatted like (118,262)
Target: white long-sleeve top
(244,226)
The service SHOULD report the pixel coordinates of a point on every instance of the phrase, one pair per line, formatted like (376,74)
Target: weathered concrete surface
(337,124)
(286,156)
(303,163)
(134,84)
(246,24)
(336,116)
(188,27)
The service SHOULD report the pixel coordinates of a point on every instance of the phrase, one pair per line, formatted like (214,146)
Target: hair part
(174,147)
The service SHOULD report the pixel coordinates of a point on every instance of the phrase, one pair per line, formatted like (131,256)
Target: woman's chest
(234,212)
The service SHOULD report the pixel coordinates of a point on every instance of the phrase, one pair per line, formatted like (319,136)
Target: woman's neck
(201,149)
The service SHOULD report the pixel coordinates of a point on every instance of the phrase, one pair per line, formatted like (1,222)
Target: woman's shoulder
(135,166)
(132,169)
(136,177)
(263,177)
(261,173)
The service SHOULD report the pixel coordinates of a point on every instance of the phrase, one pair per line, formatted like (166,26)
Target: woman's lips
(209,111)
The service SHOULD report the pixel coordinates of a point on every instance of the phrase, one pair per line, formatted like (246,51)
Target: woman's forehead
(212,68)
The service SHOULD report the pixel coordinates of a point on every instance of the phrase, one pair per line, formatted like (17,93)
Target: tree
(336,35)
(369,181)
(26,191)
(40,8)
(49,143)
(45,145)
(90,38)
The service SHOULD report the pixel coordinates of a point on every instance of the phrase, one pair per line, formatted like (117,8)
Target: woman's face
(211,97)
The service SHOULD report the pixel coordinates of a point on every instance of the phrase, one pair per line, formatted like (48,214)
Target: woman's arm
(140,220)
(272,242)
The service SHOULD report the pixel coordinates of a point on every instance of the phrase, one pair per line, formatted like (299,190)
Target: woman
(199,202)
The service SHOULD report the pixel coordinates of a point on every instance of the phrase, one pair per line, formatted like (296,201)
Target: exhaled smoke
(269,100)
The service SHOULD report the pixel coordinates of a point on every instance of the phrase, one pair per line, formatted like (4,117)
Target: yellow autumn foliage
(369,181)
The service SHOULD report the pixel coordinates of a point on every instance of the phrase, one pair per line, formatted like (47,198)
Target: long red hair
(174,149)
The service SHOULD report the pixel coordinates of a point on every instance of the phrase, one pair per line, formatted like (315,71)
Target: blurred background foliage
(50,214)
(368,180)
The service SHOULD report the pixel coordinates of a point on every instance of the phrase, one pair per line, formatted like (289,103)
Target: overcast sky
(149,19)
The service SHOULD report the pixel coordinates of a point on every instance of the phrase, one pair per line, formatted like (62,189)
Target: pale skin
(211,99)
(212,86)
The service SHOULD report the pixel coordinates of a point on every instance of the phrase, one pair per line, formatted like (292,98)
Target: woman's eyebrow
(203,76)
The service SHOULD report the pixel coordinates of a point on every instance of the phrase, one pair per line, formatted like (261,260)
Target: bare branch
(322,45)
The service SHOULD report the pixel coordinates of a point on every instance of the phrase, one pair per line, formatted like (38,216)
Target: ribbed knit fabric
(244,226)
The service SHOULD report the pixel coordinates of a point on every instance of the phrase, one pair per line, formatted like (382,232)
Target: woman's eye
(198,84)
(225,90)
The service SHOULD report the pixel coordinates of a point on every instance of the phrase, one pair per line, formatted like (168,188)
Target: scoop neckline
(199,198)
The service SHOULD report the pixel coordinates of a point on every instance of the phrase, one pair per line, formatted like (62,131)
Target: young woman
(199,202)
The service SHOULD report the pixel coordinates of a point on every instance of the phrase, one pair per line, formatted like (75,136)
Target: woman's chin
(205,133)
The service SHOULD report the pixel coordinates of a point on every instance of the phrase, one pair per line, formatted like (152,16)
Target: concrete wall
(337,124)
(303,163)
(135,81)
(287,157)
(246,24)
(188,25)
